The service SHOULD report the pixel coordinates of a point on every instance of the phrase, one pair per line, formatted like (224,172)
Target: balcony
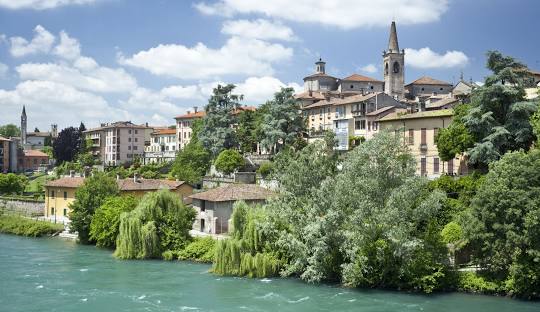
(423,147)
(361,112)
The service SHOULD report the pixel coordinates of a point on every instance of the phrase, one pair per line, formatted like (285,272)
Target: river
(56,275)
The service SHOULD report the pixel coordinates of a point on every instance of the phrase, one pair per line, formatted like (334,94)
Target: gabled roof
(164,131)
(38,134)
(381,110)
(306,95)
(34,153)
(318,75)
(123,184)
(419,115)
(425,80)
(234,192)
(443,102)
(68,182)
(190,115)
(361,78)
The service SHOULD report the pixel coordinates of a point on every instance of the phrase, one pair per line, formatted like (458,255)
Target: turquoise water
(57,275)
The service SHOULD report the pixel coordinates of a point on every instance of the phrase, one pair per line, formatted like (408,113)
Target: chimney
(146,124)
(188,112)
(195,108)
(71,173)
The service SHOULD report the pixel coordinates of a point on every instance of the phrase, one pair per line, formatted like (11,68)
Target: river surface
(56,275)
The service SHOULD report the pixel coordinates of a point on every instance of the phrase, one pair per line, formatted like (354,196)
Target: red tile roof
(123,184)
(199,114)
(34,153)
(67,182)
(164,131)
(357,77)
(234,192)
(425,80)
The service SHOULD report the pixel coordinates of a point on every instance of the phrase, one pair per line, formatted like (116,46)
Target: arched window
(386,69)
(396,67)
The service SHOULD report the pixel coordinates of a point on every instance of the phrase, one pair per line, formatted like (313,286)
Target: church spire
(393,46)
(23,126)
(24,110)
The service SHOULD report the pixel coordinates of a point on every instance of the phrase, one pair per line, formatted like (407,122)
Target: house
(419,131)
(427,86)
(119,142)
(60,193)
(183,126)
(5,155)
(360,84)
(163,146)
(215,206)
(33,160)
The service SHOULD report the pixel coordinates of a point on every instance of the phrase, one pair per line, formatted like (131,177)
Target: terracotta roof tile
(357,77)
(123,184)
(67,182)
(425,80)
(234,192)
(419,115)
(164,131)
(34,153)
(199,114)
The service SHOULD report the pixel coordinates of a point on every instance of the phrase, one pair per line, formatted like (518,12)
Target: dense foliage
(67,145)
(106,220)
(159,223)
(88,198)
(11,183)
(194,160)
(199,250)
(504,223)
(217,132)
(229,161)
(13,224)
(10,130)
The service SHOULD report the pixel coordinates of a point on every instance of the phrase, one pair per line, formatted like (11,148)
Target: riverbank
(60,275)
(18,225)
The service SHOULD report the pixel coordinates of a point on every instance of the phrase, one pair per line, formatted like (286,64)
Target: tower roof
(393,45)
(24,111)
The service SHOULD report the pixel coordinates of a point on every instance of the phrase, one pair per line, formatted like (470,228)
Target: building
(419,131)
(163,146)
(183,126)
(214,207)
(33,160)
(424,87)
(5,155)
(360,84)
(320,81)
(35,140)
(351,116)
(60,193)
(119,143)
(394,66)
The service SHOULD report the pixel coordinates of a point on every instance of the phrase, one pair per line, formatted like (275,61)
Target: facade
(119,142)
(59,194)
(394,66)
(361,84)
(418,131)
(5,155)
(351,116)
(214,207)
(183,127)
(34,160)
(320,81)
(426,87)
(163,146)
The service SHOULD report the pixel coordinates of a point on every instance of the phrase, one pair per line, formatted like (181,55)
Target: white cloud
(69,48)
(237,56)
(183,92)
(369,68)
(50,102)
(345,14)
(258,90)
(4,69)
(41,43)
(89,77)
(40,4)
(425,58)
(258,29)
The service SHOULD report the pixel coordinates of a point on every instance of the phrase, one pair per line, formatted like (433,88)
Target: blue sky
(104,60)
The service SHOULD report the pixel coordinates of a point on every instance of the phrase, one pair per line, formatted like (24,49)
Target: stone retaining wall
(26,208)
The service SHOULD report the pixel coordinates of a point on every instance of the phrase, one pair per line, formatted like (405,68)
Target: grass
(14,224)
(33,185)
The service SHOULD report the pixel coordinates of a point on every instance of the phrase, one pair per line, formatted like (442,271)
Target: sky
(95,61)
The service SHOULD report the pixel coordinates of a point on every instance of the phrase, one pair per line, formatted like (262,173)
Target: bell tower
(394,66)
(23,126)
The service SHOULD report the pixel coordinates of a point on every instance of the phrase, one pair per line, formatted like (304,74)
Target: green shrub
(472,282)
(199,250)
(228,161)
(265,169)
(18,225)
(452,233)
(168,255)
(106,221)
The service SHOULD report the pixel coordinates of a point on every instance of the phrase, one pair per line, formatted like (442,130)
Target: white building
(163,146)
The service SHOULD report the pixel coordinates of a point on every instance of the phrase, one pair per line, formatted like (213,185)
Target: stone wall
(27,208)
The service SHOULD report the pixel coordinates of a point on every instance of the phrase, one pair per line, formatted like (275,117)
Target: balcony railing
(423,147)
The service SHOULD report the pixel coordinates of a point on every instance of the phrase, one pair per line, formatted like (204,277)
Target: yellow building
(418,131)
(60,193)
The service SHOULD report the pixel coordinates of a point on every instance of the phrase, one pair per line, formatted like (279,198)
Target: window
(356,125)
(411,136)
(129,131)
(423,136)
(129,139)
(375,125)
(136,131)
(371,87)
(386,69)
(52,194)
(65,195)
(352,86)
(369,125)
(435,165)
(135,147)
(451,167)
(396,67)
(65,212)
(423,171)
(136,139)
(422,89)
(441,89)
(129,147)
(203,208)
(435,134)
(52,210)
(362,124)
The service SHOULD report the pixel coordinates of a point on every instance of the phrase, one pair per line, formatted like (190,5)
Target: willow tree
(160,222)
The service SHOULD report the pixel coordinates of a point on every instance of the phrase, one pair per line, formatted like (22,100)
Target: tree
(106,221)
(455,139)
(84,144)
(192,163)
(283,124)
(217,132)
(11,183)
(504,222)
(161,222)
(67,145)
(89,197)
(228,161)
(36,129)
(48,150)
(499,116)
(247,131)
(10,130)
